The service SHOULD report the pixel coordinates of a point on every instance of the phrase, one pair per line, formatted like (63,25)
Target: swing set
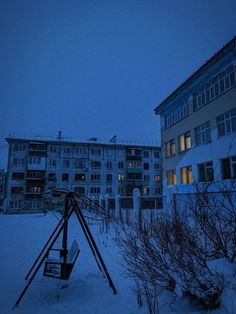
(59,263)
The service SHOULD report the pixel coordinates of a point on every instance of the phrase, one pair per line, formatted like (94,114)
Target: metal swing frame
(67,257)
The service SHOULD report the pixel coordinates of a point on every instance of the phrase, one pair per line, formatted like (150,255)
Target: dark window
(96,164)
(80,189)
(109,177)
(225,168)
(65,177)
(16,189)
(146,166)
(95,177)
(79,177)
(206,172)
(18,175)
(146,154)
(120,165)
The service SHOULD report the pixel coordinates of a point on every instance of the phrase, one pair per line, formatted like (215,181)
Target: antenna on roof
(59,136)
(113,139)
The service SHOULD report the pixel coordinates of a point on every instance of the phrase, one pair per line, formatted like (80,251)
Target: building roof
(230,46)
(82,141)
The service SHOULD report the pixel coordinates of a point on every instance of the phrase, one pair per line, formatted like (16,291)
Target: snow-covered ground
(86,292)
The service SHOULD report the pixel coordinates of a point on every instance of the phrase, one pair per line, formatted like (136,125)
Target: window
(96,164)
(109,178)
(109,190)
(18,161)
(34,160)
(170,148)
(146,191)
(79,164)
(157,190)
(146,154)
(215,87)
(16,189)
(228,168)
(109,165)
(18,175)
(186,175)
(66,163)
(184,141)
(81,151)
(51,175)
(203,133)
(146,166)
(65,177)
(95,190)
(206,172)
(80,189)
(79,177)
(120,165)
(134,164)
(34,189)
(226,122)
(120,190)
(67,150)
(156,154)
(35,174)
(120,177)
(157,178)
(171,177)
(176,115)
(19,147)
(53,149)
(52,163)
(146,178)
(134,176)
(95,177)
(156,166)
(95,151)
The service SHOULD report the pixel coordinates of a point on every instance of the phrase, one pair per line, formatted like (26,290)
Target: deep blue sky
(99,68)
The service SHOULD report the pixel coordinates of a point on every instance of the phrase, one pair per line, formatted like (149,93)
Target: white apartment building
(88,167)
(198,126)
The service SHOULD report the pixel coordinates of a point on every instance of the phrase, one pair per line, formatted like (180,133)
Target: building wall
(218,148)
(94,169)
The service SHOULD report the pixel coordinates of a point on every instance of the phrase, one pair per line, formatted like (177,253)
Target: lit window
(120,177)
(171,177)
(170,148)
(186,175)
(184,141)
(157,178)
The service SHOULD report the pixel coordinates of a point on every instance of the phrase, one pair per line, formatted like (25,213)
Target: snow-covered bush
(169,254)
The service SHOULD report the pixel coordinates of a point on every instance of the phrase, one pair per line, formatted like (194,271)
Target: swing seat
(57,268)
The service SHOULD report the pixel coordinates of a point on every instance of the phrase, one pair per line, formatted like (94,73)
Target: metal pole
(83,222)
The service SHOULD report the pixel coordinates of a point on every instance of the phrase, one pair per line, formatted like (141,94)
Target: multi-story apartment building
(198,126)
(89,167)
(2,188)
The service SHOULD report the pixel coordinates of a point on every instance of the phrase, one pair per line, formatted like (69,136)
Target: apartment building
(198,126)
(90,167)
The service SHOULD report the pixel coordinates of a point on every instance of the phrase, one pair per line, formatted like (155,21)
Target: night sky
(99,68)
